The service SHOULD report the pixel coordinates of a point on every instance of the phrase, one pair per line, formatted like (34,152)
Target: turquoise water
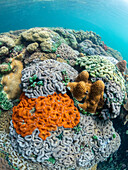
(108,18)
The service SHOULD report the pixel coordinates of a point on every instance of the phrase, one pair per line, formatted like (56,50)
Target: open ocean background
(108,18)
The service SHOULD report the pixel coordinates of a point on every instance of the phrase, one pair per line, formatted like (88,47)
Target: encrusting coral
(12,80)
(44,113)
(92,94)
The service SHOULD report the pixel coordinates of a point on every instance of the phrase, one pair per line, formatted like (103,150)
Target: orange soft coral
(91,93)
(44,113)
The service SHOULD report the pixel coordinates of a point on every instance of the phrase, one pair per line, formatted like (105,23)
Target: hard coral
(44,113)
(5,118)
(91,93)
(113,98)
(11,81)
(121,66)
(67,53)
(81,147)
(99,66)
(50,73)
(4,164)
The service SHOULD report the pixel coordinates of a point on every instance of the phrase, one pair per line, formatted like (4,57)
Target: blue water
(108,18)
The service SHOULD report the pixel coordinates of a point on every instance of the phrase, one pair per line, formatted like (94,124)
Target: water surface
(107,18)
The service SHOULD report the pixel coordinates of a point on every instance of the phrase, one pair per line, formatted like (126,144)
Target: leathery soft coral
(91,94)
(44,113)
(12,80)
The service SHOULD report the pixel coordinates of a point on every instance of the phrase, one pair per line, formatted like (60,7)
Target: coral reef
(113,99)
(68,36)
(5,119)
(44,113)
(4,165)
(47,39)
(3,51)
(89,35)
(5,104)
(6,41)
(36,56)
(126,105)
(13,157)
(122,66)
(67,53)
(88,48)
(51,73)
(69,148)
(46,130)
(114,53)
(12,79)
(32,47)
(91,94)
(111,59)
(99,66)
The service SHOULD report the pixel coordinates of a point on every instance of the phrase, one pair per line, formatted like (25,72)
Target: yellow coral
(12,80)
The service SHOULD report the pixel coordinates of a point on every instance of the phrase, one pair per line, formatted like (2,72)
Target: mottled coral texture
(44,113)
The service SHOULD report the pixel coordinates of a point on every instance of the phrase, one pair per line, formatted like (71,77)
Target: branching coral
(98,66)
(67,53)
(91,94)
(44,113)
(13,79)
(50,72)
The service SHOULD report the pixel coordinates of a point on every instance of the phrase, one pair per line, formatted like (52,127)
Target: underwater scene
(63,85)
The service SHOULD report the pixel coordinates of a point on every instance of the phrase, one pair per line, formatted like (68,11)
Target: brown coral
(91,93)
(39,56)
(44,113)
(12,80)
(121,66)
(5,118)
(4,165)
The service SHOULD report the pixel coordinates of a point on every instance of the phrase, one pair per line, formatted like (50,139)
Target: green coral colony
(55,57)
